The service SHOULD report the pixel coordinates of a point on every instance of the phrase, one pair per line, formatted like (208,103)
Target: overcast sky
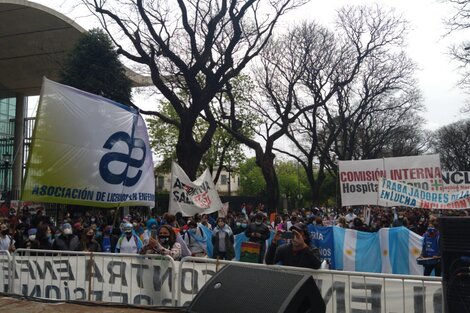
(427,46)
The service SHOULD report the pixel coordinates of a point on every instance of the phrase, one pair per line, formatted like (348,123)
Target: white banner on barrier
(147,281)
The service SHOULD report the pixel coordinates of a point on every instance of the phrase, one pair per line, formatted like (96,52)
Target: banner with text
(359,179)
(401,194)
(155,282)
(190,197)
(456,181)
(88,150)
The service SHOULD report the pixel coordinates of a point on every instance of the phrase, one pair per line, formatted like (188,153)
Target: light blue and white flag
(357,251)
(400,247)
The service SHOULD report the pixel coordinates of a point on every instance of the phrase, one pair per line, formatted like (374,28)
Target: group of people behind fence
(178,236)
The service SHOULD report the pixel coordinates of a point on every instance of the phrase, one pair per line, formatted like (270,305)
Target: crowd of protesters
(178,236)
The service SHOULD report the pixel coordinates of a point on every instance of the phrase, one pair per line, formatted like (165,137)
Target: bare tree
(191,47)
(354,76)
(303,72)
(452,142)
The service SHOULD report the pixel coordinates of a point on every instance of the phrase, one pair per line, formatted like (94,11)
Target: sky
(427,45)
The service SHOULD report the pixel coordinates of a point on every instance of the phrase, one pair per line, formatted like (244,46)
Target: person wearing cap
(297,252)
(258,232)
(66,241)
(129,242)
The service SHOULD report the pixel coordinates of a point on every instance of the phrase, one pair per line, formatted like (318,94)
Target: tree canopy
(93,65)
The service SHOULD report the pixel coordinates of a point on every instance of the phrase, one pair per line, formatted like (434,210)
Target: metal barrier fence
(341,291)
(5,261)
(85,276)
(160,281)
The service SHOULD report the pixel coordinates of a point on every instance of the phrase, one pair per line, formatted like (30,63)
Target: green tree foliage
(93,65)
(224,151)
(251,179)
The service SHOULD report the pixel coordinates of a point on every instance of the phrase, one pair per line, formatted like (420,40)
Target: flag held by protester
(191,197)
(88,150)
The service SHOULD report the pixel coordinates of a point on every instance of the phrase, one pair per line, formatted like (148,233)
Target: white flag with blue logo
(88,150)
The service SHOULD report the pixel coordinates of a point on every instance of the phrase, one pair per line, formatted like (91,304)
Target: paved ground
(18,305)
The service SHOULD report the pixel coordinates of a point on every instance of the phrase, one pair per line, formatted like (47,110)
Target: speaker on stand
(455,251)
(243,289)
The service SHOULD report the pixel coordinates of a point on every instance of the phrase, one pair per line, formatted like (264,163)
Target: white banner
(456,181)
(146,281)
(401,194)
(190,197)
(88,150)
(359,179)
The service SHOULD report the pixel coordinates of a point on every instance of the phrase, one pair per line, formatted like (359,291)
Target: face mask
(164,239)
(221,225)
(244,225)
(239,224)
(68,231)
(258,222)
(109,231)
(32,237)
(92,220)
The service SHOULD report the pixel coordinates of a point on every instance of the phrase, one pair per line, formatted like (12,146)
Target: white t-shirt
(5,242)
(128,246)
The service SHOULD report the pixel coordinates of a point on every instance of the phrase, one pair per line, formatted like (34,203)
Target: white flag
(88,150)
(191,197)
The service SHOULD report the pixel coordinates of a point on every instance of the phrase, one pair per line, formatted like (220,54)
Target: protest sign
(191,197)
(359,178)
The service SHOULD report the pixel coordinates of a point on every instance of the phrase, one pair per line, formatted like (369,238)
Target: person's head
(89,233)
(66,229)
(44,231)
(259,218)
(78,226)
(108,229)
(166,236)
(32,233)
(302,229)
(127,229)
(220,222)
(319,221)
(170,219)
(4,229)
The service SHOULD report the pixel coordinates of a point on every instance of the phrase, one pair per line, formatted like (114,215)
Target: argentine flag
(357,251)
(399,248)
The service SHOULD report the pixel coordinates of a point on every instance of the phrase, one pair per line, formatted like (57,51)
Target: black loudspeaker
(244,289)
(455,251)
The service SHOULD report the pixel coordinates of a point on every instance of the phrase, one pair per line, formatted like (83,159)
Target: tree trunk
(188,152)
(266,162)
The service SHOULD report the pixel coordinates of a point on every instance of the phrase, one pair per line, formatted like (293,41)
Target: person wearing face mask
(164,244)
(31,237)
(88,242)
(67,241)
(129,242)
(43,239)
(297,252)
(6,241)
(195,240)
(240,225)
(222,241)
(108,240)
(258,232)
(151,231)
(431,250)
